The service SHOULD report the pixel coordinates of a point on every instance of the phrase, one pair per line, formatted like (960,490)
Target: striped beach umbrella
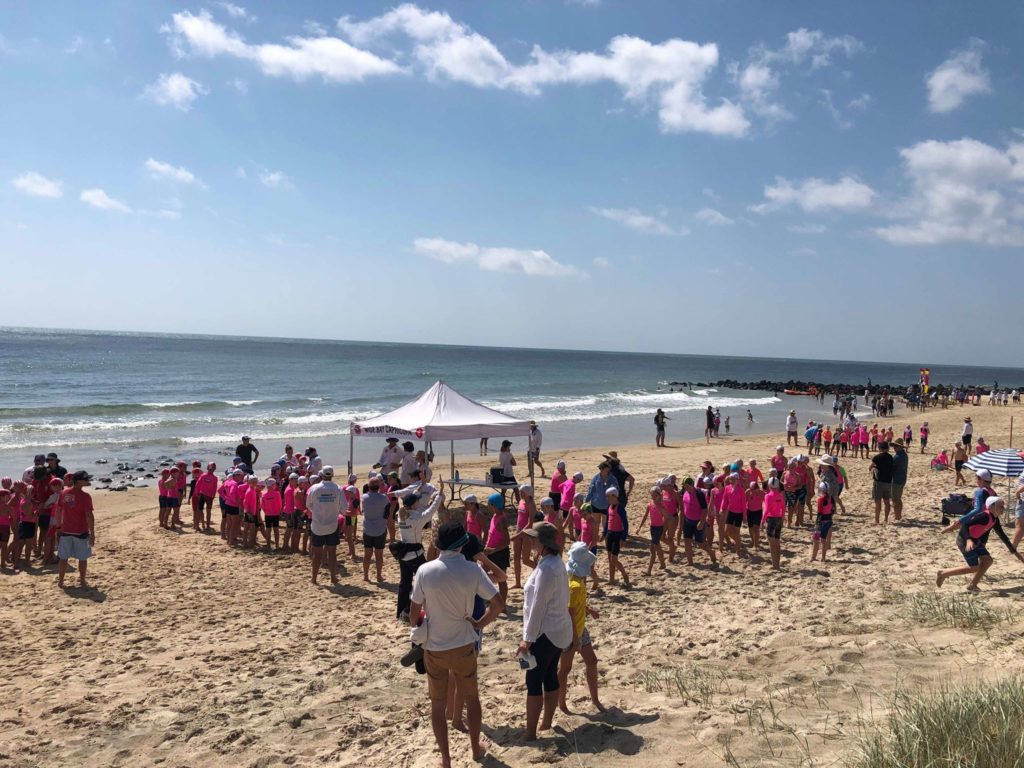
(1006,462)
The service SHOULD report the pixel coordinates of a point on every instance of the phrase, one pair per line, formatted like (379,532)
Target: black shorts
(374,542)
(163,502)
(229,510)
(754,518)
(44,523)
(773,527)
(500,558)
(966,439)
(958,465)
(272,521)
(331,539)
(557,498)
(350,522)
(691,531)
(657,531)
(734,519)
(26,530)
(613,542)
(251,519)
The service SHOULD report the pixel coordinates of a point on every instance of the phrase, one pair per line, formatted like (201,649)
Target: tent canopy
(441,413)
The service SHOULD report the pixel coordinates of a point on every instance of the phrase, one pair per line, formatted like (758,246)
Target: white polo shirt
(325,501)
(445,588)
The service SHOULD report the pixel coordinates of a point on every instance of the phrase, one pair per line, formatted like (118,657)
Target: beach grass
(974,726)
(696,683)
(958,611)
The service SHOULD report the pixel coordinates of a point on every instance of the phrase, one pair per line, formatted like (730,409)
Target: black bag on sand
(954,505)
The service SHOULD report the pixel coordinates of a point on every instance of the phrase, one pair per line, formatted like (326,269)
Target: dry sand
(188,654)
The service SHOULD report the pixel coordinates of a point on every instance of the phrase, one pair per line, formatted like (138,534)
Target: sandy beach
(186,653)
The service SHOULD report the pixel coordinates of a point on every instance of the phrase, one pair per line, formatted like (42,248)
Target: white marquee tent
(440,413)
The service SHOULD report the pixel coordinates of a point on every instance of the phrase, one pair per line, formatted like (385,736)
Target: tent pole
(452,473)
(351,445)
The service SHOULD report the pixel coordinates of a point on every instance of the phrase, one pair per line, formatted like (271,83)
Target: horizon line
(119,332)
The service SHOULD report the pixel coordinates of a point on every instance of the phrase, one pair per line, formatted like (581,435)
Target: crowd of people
(455,561)
(47,516)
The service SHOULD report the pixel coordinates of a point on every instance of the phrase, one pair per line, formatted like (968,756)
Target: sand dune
(188,654)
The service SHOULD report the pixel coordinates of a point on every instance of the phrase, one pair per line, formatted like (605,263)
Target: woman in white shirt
(547,626)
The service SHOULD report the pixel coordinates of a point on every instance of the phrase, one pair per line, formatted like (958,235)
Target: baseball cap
(81,476)
(327,471)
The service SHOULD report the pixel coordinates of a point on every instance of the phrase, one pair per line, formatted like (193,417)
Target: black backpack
(954,505)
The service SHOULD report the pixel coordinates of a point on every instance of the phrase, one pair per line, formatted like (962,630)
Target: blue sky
(653,176)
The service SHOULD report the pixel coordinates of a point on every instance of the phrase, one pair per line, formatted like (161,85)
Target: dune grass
(980,725)
(696,683)
(953,610)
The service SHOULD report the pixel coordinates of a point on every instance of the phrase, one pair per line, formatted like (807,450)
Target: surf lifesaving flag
(924,375)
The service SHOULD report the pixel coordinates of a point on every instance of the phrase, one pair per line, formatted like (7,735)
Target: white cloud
(235,11)
(160,170)
(759,78)
(826,101)
(585,3)
(638,221)
(805,251)
(860,103)
(241,173)
(709,193)
(670,75)
(97,198)
(962,191)
(713,218)
(37,185)
(959,76)
(77,44)
(602,262)
(813,195)
(330,58)
(807,229)
(275,180)
(165,213)
(174,90)
(533,263)
(239,85)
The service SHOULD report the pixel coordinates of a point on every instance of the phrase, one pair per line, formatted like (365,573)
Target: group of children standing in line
(857,440)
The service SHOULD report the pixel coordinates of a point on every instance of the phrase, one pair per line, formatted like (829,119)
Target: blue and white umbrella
(1006,462)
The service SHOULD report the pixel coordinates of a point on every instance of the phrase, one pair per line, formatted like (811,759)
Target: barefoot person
(76,528)
(326,502)
(774,512)
(615,533)
(547,628)
(374,508)
(581,560)
(445,588)
(656,511)
(972,536)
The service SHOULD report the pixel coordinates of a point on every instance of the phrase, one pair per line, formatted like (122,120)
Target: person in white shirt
(445,588)
(791,424)
(409,547)
(534,442)
(424,466)
(408,462)
(417,487)
(547,626)
(289,458)
(965,436)
(390,458)
(325,501)
(316,464)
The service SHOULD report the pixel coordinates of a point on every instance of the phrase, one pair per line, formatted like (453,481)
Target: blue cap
(496,500)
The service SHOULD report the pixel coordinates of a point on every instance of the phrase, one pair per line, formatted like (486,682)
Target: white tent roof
(441,413)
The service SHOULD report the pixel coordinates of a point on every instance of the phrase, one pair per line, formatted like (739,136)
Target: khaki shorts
(461,662)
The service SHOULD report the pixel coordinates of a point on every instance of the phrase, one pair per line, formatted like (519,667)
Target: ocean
(130,397)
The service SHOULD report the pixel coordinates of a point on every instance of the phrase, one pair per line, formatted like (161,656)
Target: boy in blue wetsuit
(971,539)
